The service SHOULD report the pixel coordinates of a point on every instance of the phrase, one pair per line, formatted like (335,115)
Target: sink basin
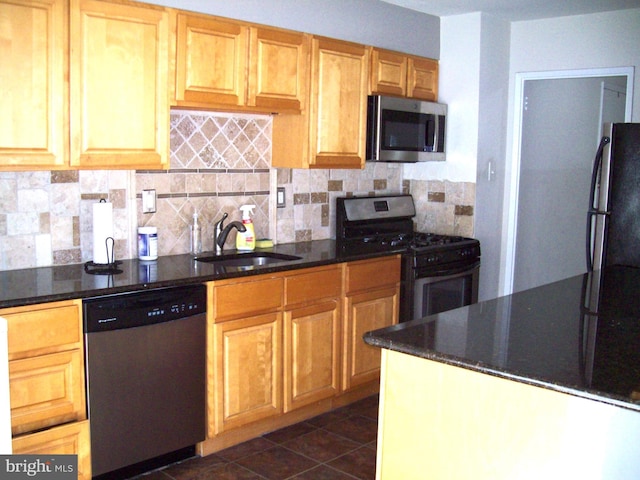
(251,259)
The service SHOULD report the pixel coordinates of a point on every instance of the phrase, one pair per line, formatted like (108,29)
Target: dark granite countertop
(579,336)
(46,284)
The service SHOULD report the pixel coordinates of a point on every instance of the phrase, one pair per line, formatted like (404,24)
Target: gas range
(385,224)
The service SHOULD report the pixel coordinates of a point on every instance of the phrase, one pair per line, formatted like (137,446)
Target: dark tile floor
(337,445)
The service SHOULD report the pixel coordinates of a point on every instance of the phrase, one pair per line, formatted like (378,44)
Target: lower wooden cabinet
(287,346)
(248,366)
(68,439)
(372,292)
(46,381)
(46,390)
(365,312)
(311,354)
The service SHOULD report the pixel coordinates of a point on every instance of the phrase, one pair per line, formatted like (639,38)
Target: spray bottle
(246,240)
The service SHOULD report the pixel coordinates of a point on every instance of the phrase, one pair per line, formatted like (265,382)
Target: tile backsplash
(218,162)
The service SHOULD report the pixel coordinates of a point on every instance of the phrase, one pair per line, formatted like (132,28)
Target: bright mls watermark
(50,467)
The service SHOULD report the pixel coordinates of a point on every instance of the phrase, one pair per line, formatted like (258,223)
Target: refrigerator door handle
(594,209)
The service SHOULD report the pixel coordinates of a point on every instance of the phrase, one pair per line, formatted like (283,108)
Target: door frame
(513,181)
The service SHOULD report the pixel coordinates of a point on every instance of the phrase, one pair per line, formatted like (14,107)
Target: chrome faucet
(220,232)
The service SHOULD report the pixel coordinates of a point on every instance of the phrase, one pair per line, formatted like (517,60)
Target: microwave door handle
(430,140)
(438,134)
(436,128)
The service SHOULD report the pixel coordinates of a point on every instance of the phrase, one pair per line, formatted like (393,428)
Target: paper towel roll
(102,229)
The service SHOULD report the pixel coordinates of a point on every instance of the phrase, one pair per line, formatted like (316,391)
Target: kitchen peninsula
(544,383)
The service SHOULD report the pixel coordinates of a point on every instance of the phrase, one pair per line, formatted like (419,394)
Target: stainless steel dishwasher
(146,378)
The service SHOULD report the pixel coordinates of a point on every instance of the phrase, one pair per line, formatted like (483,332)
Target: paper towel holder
(109,268)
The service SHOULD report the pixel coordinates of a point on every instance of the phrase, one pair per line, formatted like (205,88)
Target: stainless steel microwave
(405,130)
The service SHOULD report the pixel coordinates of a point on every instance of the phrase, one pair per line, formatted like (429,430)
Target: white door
(560,125)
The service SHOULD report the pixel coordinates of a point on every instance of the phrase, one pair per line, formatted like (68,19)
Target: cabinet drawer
(69,439)
(312,285)
(367,274)
(46,390)
(233,299)
(39,329)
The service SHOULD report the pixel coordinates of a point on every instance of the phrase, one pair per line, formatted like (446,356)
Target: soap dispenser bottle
(196,236)
(246,240)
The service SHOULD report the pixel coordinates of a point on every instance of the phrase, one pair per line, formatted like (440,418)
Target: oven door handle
(425,272)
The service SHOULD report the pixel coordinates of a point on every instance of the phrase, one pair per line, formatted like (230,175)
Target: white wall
(370,22)
(474,79)
(494,79)
(579,42)
(568,43)
(459,85)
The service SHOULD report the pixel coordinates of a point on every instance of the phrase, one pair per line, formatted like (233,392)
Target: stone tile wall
(218,163)
(46,217)
(444,207)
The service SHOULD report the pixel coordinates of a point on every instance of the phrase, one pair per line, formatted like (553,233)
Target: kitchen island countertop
(579,336)
(47,284)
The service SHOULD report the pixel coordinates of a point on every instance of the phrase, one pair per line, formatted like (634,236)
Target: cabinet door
(69,439)
(248,365)
(211,61)
(365,312)
(422,79)
(46,390)
(119,88)
(338,104)
(33,103)
(278,73)
(311,354)
(388,73)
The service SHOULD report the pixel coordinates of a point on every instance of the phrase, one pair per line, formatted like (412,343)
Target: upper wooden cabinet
(210,61)
(278,70)
(221,63)
(119,85)
(422,78)
(34,102)
(331,132)
(394,73)
(388,73)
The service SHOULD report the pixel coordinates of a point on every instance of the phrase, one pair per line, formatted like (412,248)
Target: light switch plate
(148,201)
(280,198)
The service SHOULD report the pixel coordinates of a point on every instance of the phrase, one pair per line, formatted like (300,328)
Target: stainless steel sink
(250,259)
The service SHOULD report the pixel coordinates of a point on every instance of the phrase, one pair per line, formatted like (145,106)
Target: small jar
(147,243)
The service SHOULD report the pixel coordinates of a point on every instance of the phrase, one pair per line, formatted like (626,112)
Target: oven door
(437,293)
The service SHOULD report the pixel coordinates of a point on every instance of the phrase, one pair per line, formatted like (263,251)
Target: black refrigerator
(613,220)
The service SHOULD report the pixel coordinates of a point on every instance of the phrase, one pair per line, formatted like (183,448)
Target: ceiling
(515,10)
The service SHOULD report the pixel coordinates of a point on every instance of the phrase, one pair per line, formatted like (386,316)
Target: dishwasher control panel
(136,309)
